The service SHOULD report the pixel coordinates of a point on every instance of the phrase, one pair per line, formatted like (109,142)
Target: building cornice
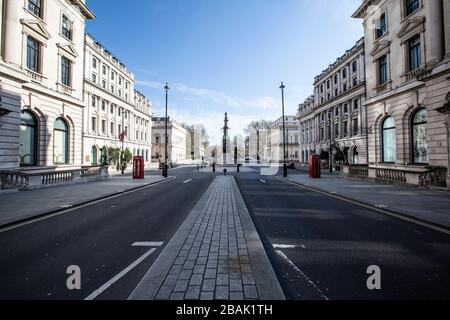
(359,46)
(87,13)
(361,12)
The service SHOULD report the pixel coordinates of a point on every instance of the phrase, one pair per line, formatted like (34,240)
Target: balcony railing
(65,89)
(382,87)
(37,77)
(414,74)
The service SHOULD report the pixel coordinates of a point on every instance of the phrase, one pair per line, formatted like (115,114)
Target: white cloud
(207,107)
(150,84)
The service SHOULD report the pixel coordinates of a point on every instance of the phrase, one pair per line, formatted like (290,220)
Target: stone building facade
(275,142)
(41,82)
(407,45)
(177,150)
(113,107)
(334,116)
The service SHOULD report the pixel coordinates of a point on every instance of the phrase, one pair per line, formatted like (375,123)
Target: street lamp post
(282,87)
(331,137)
(166,168)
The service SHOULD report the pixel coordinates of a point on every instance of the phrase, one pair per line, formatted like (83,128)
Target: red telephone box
(138,167)
(314,166)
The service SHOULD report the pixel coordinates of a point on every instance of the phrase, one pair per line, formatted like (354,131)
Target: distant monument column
(225,138)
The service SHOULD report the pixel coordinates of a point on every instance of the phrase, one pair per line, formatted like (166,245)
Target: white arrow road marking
(116,278)
(187,181)
(147,244)
(263,181)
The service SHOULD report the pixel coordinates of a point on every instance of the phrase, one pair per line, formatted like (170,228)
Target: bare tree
(257,129)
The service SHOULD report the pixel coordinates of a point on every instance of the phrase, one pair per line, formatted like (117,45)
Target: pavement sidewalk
(215,254)
(432,206)
(24,205)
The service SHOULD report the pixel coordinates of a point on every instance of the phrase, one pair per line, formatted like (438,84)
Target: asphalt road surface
(321,247)
(99,239)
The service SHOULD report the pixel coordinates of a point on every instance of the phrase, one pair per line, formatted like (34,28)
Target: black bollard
(214,167)
(224,172)
(238,168)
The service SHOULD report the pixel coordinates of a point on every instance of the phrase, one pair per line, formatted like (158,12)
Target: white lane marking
(263,181)
(187,181)
(104,287)
(288,246)
(147,244)
(284,246)
(74,208)
(284,257)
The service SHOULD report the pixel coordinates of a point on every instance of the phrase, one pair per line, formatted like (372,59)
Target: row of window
(354,69)
(34,59)
(29,137)
(411,6)
(104,82)
(414,60)
(36,7)
(419,138)
(139,135)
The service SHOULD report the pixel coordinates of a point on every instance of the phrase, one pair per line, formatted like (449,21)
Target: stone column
(12,33)
(435,29)
(447,26)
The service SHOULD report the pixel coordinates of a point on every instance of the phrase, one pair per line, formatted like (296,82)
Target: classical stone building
(334,116)
(273,151)
(407,45)
(41,82)
(177,136)
(112,107)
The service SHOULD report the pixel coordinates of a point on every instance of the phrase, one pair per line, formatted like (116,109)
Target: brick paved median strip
(216,254)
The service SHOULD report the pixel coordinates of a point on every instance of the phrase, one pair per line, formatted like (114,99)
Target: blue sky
(225,55)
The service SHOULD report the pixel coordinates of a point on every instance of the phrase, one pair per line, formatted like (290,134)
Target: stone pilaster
(447,27)
(434,27)
(12,31)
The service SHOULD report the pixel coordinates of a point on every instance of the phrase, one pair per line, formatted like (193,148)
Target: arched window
(60,142)
(157,139)
(355,155)
(94,155)
(28,139)
(389,137)
(419,136)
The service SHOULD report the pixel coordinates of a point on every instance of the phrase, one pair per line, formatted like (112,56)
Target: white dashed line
(147,244)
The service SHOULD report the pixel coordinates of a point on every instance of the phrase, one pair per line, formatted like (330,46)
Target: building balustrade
(382,87)
(36,179)
(36,77)
(391,175)
(414,74)
(65,89)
